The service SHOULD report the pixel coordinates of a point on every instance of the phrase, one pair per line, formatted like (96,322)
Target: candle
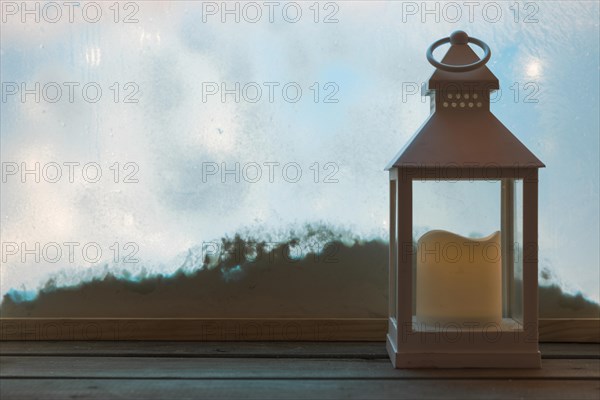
(459,279)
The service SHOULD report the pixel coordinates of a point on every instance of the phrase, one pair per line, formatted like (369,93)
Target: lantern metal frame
(409,347)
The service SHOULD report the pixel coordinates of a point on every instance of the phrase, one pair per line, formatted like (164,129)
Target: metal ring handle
(459,68)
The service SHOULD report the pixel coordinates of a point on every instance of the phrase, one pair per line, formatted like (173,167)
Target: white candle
(459,279)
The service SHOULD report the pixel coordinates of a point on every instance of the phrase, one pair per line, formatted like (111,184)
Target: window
(178,160)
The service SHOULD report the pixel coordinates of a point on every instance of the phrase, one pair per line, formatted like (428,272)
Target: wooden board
(197,329)
(282,389)
(283,370)
(250,368)
(348,350)
(247,329)
(362,350)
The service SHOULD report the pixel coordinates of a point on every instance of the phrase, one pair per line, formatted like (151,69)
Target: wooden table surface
(292,370)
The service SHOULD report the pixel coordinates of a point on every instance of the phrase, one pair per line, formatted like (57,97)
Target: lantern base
(462,359)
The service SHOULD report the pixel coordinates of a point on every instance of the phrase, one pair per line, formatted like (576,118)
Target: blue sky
(369,54)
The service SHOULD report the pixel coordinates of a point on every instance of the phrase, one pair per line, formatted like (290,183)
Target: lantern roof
(456,137)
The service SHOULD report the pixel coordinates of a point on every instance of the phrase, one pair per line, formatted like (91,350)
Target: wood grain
(361,350)
(247,329)
(570,330)
(282,370)
(294,389)
(347,350)
(250,368)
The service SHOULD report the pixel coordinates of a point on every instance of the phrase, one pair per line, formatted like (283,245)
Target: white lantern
(458,301)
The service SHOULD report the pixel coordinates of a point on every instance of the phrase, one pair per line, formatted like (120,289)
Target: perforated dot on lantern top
(445,104)
(466,95)
(478,104)
(453,104)
(475,95)
(458,95)
(471,105)
(462,104)
(450,95)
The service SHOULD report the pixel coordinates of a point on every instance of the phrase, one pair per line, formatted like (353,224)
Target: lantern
(463,299)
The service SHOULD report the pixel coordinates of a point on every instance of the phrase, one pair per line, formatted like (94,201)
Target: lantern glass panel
(467,257)
(515,310)
(393,278)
